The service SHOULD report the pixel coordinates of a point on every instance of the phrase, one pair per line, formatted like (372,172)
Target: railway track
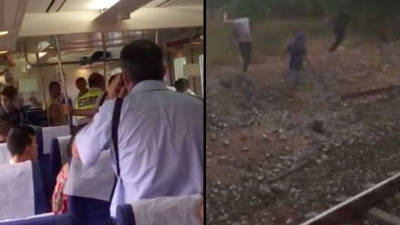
(368,205)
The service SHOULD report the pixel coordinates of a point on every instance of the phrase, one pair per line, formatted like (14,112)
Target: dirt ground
(265,162)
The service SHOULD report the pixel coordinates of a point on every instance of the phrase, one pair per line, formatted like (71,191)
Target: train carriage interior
(42,41)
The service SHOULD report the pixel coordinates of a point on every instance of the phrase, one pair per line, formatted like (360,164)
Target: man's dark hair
(181,84)
(53,84)
(142,60)
(18,138)
(4,127)
(96,80)
(80,79)
(9,91)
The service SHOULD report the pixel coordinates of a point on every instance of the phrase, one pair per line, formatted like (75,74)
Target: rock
(283,138)
(213,137)
(264,190)
(226,143)
(311,215)
(289,221)
(318,126)
(245,149)
(279,188)
(341,199)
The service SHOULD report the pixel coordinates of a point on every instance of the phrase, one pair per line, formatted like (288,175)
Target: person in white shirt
(242,32)
(182,85)
(158,149)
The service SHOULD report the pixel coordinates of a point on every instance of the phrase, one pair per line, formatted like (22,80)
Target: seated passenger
(21,142)
(182,85)
(55,101)
(4,129)
(59,198)
(8,110)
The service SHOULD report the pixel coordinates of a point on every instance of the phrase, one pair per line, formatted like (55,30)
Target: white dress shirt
(242,28)
(160,140)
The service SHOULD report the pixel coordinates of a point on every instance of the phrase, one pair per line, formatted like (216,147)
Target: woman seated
(59,198)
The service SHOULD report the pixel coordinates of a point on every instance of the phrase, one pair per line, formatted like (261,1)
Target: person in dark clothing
(341,21)
(81,84)
(8,111)
(298,53)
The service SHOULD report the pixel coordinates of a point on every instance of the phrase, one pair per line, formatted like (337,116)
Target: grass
(270,38)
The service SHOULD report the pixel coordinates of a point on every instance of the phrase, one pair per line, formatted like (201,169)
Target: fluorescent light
(3,52)
(41,54)
(3,32)
(102,4)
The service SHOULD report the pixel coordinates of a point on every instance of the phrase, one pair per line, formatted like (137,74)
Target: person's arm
(96,136)
(68,109)
(226,20)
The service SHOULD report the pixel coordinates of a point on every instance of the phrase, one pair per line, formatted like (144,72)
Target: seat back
(64,219)
(89,191)
(47,134)
(59,146)
(85,182)
(23,193)
(180,210)
(89,211)
(5,155)
(34,116)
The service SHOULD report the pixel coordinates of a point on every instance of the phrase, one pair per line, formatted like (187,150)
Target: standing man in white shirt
(157,142)
(242,32)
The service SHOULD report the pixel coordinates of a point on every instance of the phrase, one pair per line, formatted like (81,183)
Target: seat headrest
(17,191)
(182,210)
(49,133)
(63,146)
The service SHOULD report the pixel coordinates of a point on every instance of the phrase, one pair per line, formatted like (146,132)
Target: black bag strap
(114,130)
(114,136)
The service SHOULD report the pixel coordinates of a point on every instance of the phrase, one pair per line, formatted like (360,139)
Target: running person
(242,32)
(298,53)
(341,21)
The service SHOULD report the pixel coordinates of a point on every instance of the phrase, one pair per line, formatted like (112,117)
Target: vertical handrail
(103,40)
(43,88)
(60,68)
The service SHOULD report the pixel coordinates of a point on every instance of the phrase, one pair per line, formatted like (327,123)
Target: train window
(178,67)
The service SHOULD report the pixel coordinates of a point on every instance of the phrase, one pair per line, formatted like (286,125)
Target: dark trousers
(339,37)
(245,50)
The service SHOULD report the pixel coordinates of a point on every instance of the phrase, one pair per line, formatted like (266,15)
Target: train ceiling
(39,18)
